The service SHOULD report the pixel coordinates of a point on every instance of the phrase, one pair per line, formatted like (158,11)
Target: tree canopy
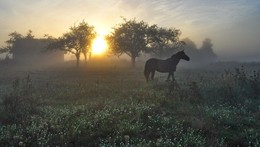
(201,55)
(129,37)
(163,41)
(132,38)
(207,50)
(14,37)
(77,41)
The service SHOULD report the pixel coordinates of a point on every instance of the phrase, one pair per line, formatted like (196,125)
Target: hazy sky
(233,25)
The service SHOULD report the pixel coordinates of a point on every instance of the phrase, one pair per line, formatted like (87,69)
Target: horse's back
(151,64)
(152,60)
(164,66)
(160,65)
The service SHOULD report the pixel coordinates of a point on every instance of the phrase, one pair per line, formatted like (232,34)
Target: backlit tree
(129,37)
(133,38)
(78,40)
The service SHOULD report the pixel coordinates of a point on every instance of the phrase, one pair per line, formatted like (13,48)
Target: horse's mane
(177,53)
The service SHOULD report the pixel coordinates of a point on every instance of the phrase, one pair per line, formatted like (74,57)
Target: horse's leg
(173,79)
(153,72)
(147,75)
(169,76)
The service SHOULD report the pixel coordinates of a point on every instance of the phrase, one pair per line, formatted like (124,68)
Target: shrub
(20,102)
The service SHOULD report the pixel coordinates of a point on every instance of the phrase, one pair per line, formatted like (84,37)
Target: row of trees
(77,41)
(130,37)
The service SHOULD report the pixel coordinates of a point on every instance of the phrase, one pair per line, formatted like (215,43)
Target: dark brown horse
(164,66)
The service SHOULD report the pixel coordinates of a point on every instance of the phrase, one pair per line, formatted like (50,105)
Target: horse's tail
(146,71)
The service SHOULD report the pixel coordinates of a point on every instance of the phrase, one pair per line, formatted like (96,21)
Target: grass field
(100,105)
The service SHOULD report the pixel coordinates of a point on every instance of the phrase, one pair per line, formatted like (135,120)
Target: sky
(232,25)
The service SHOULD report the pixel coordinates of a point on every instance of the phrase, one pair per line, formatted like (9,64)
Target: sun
(99,45)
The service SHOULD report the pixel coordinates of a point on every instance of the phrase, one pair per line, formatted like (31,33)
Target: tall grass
(88,108)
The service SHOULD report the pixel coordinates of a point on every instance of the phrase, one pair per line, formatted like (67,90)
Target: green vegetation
(114,106)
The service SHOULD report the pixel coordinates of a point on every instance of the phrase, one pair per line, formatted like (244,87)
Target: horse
(164,66)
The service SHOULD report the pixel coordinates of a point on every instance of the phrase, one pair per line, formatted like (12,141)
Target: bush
(20,102)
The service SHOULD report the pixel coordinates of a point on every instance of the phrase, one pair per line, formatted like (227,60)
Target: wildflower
(126,139)
(158,142)
(20,143)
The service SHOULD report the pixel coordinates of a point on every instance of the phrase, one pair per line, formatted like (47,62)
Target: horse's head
(182,55)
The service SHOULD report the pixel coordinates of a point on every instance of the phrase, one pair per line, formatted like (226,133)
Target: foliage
(14,37)
(29,35)
(203,55)
(133,38)
(129,37)
(207,50)
(78,40)
(20,102)
(163,41)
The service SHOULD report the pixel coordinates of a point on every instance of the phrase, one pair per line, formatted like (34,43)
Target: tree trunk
(89,58)
(85,58)
(77,57)
(133,61)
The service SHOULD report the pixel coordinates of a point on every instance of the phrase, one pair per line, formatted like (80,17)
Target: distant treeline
(202,55)
(131,38)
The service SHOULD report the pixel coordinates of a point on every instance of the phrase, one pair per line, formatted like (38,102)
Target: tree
(29,35)
(88,35)
(129,37)
(133,38)
(78,40)
(163,41)
(207,50)
(84,35)
(14,36)
(190,44)
(3,50)
(202,55)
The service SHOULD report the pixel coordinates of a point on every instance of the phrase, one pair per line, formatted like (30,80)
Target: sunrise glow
(99,45)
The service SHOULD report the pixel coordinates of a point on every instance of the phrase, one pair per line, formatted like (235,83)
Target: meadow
(100,105)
